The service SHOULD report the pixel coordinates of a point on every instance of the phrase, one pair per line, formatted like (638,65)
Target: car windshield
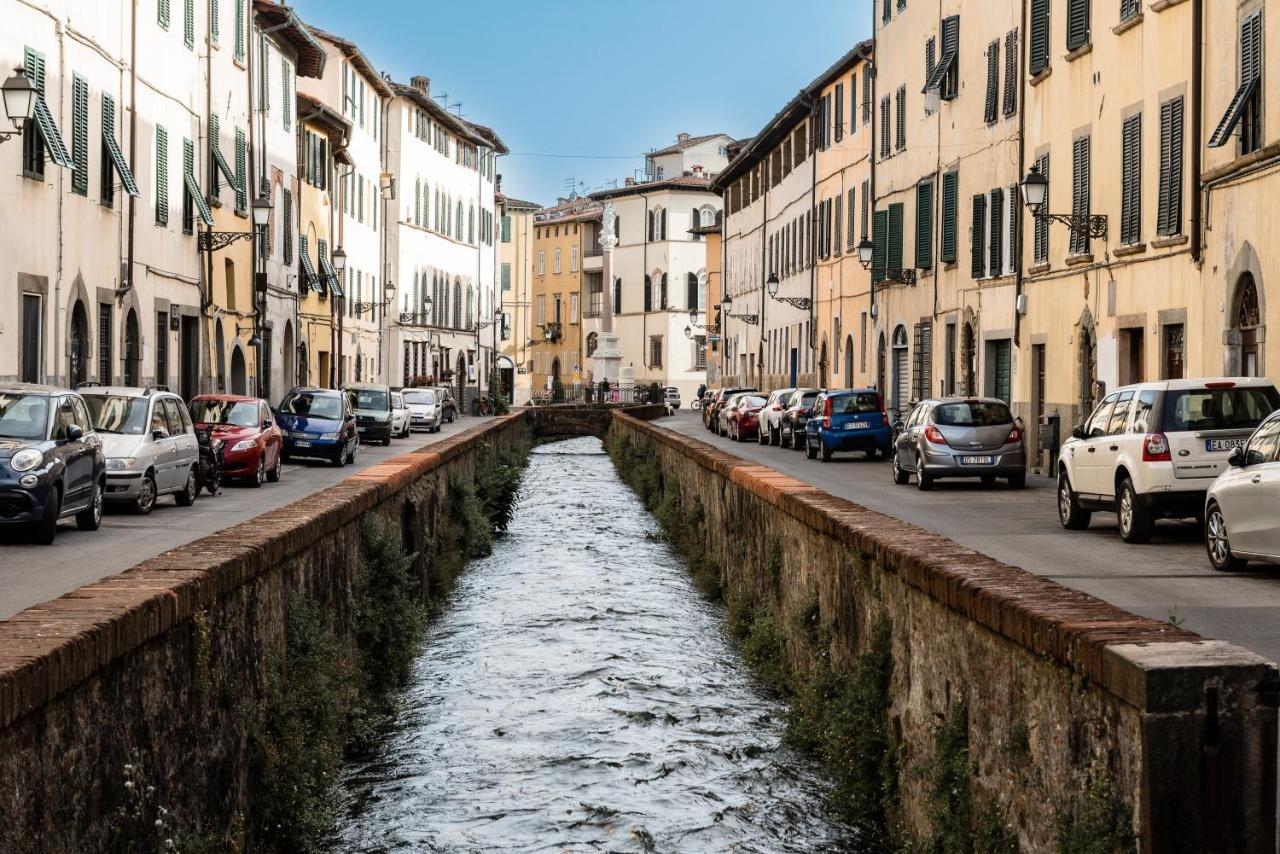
(422,398)
(850,404)
(367,398)
(752,402)
(806,400)
(326,406)
(237,413)
(972,413)
(397,401)
(1218,408)
(115,413)
(23,416)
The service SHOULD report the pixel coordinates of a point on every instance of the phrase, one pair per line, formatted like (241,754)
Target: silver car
(149,442)
(425,409)
(399,416)
(1240,511)
(959,437)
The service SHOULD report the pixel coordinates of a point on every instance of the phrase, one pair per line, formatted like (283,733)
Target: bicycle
(695,404)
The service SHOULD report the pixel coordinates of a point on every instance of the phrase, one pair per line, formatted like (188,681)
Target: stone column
(608,358)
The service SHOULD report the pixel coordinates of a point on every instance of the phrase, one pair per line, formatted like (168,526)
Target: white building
(441,247)
(660,265)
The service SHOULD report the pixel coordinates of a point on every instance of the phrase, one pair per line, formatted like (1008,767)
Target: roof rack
(153,388)
(89,384)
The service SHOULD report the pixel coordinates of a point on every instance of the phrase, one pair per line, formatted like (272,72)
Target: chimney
(697,170)
(422,84)
(682,137)
(629,182)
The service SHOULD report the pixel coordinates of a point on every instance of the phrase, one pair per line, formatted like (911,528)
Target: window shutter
(213,20)
(993,80)
(901,137)
(853,103)
(924,225)
(867,106)
(884,126)
(978,268)
(852,240)
(80,135)
(264,77)
(879,229)
(950,184)
(288,227)
(162,176)
(1038,55)
(1171,124)
(1010,73)
(664,224)
(242,191)
(1040,245)
(189,23)
(996,237)
(1131,180)
(839,117)
(837,230)
(239,41)
(162,14)
(895,236)
(866,206)
(1250,74)
(286,85)
(648,292)
(1077,24)
(930,48)
(1080,191)
(650,226)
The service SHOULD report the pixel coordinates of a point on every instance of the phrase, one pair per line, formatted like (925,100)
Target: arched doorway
(132,349)
(969,359)
(303,375)
(460,379)
(78,346)
(593,341)
(287,357)
(901,373)
(1246,322)
(881,357)
(220,355)
(848,361)
(1088,362)
(238,371)
(822,366)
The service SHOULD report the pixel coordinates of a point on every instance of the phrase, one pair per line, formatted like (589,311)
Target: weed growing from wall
(1096,822)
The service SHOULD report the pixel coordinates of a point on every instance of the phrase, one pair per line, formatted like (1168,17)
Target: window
(42,134)
(573,308)
(573,259)
(80,135)
(900,108)
(884,126)
(1010,73)
(1245,109)
(506,276)
(978,265)
(1080,191)
(655,351)
(1077,24)
(1100,421)
(189,24)
(1120,413)
(839,116)
(866,98)
(996,267)
(162,14)
(924,224)
(699,352)
(32,344)
(288,227)
(555,264)
(950,184)
(542,262)
(1169,214)
(242,180)
(1131,180)
(993,81)
(1040,237)
(162,176)
(239,42)
(1038,55)
(1142,412)
(1129,9)
(541,305)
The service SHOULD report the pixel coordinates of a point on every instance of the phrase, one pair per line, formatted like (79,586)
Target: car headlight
(382,419)
(243,445)
(329,436)
(121,464)
(26,459)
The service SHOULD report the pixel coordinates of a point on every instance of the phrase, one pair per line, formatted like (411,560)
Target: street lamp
(1035,189)
(261,211)
(389,291)
(1035,193)
(772,284)
(802,303)
(865,250)
(19,101)
(339,259)
(866,254)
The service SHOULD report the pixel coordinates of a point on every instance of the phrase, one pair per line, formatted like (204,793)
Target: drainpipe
(133,132)
(57,282)
(813,268)
(764,259)
(1022,165)
(1197,99)
(873,70)
(644,271)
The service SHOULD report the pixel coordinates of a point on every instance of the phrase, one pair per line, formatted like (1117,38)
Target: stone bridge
(583,420)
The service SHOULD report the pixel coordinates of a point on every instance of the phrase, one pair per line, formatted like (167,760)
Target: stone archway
(460,381)
(288,357)
(848,360)
(238,372)
(823,377)
(132,350)
(882,355)
(969,354)
(79,346)
(1087,364)
(1245,335)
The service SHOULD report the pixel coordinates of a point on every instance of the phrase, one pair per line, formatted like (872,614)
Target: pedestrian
(702,391)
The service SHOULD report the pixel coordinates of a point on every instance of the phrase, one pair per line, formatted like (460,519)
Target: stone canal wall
(1013,706)
(143,695)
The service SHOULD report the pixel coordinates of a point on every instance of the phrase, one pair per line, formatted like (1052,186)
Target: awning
(197,197)
(309,277)
(52,138)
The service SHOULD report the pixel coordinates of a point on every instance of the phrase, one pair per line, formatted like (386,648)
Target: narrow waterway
(578,694)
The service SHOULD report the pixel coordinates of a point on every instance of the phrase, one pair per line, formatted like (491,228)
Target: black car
(372,405)
(51,461)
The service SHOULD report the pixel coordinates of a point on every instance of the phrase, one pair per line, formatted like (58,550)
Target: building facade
(515,274)
(563,235)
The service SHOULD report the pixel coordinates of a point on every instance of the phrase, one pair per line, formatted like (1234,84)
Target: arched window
(662,302)
(458,234)
(1247,320)
(132,349)
(470,299)
(471,225)
(417,201)
(648,292)
(708,216)
(457,299)
(78,349)
(691,300)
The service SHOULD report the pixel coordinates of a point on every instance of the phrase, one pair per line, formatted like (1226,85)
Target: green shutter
(1171,123)
(239,42)
(1077,24)
(242,193)
(286,71)
(978,267)
(33,62)
(997,233)
(879,235)
(924,225)
(1038,55)
(162,14)
(213,20)
(80,135)
(1131,180)
(192,186)
(264,76)
(114,157)
(950,182)
(189,23)
(895,237)
(162,176)
(288,226)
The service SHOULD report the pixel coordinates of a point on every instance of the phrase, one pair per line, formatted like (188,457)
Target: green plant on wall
(1097,821)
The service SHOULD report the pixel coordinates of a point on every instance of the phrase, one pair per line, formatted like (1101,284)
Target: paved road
(32,574)
(1171,575)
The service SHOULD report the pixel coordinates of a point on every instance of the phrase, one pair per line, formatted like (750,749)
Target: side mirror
(74,433)
(1237,458)
(1077,432)
(157,435)
(898,426)
(266,423)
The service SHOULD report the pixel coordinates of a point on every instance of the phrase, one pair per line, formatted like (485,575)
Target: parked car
(795,414)
(448,403)
(399,416)
(425,412)
(1152,450)
(959,437)
(1241,523)
(671,397)
(770,432)
(712,412)
(251,442)
(372,405)
(744,417)
(150,444)
(847,420)
(51,461)
(318,422)
(724,408)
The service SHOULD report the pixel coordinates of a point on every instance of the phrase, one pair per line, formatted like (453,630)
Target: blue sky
(595,84)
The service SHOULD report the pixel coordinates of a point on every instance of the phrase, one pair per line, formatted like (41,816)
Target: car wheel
(1217,544)
(809,450)
(273,476)
(351,457)
(924,482)
(824,450)
(90,518)
(190,490)
(1018,481)
(1136,522)
(900,477)
(146,500)
(1071,515)
(340,459)
(260,473)
(775,435)
(47,528)
(988,480)
(762,436)
(872,453)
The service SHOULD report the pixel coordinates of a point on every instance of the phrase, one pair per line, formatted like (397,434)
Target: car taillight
(1155,449)
(1015,436)
(777,408)
(934,435)
(1220,385)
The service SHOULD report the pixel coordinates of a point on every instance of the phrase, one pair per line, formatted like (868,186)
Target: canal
(576,693)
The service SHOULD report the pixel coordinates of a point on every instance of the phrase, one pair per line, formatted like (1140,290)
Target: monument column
(608,358)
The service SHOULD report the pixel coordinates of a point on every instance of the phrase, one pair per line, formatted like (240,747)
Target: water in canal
(577,694)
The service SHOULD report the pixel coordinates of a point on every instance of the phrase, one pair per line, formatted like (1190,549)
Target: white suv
(1151,450)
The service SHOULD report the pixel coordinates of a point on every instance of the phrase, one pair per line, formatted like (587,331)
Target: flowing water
(577,694)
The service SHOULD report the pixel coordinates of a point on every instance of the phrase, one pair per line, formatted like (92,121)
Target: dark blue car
(320,423)
(51,462)
(848,420)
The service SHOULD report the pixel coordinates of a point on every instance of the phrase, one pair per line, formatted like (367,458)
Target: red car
(744,417)
(251,440)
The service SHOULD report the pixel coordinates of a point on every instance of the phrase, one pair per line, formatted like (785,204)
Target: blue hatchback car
(848,420)
(318,422)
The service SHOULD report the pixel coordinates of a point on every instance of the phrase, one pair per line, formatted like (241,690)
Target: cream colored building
(515,273)
(563,235)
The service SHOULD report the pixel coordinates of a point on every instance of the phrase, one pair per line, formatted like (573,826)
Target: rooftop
(685,141)
(284,20)
(697,182)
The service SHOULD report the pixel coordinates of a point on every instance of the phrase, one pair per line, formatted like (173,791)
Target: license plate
(859,425)
(1223,444)
(302,444)
(976,461)
(364,429)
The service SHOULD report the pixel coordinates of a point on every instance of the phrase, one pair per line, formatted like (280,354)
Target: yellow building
(515,271)
(322,135)
(713,235)
(562,237)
